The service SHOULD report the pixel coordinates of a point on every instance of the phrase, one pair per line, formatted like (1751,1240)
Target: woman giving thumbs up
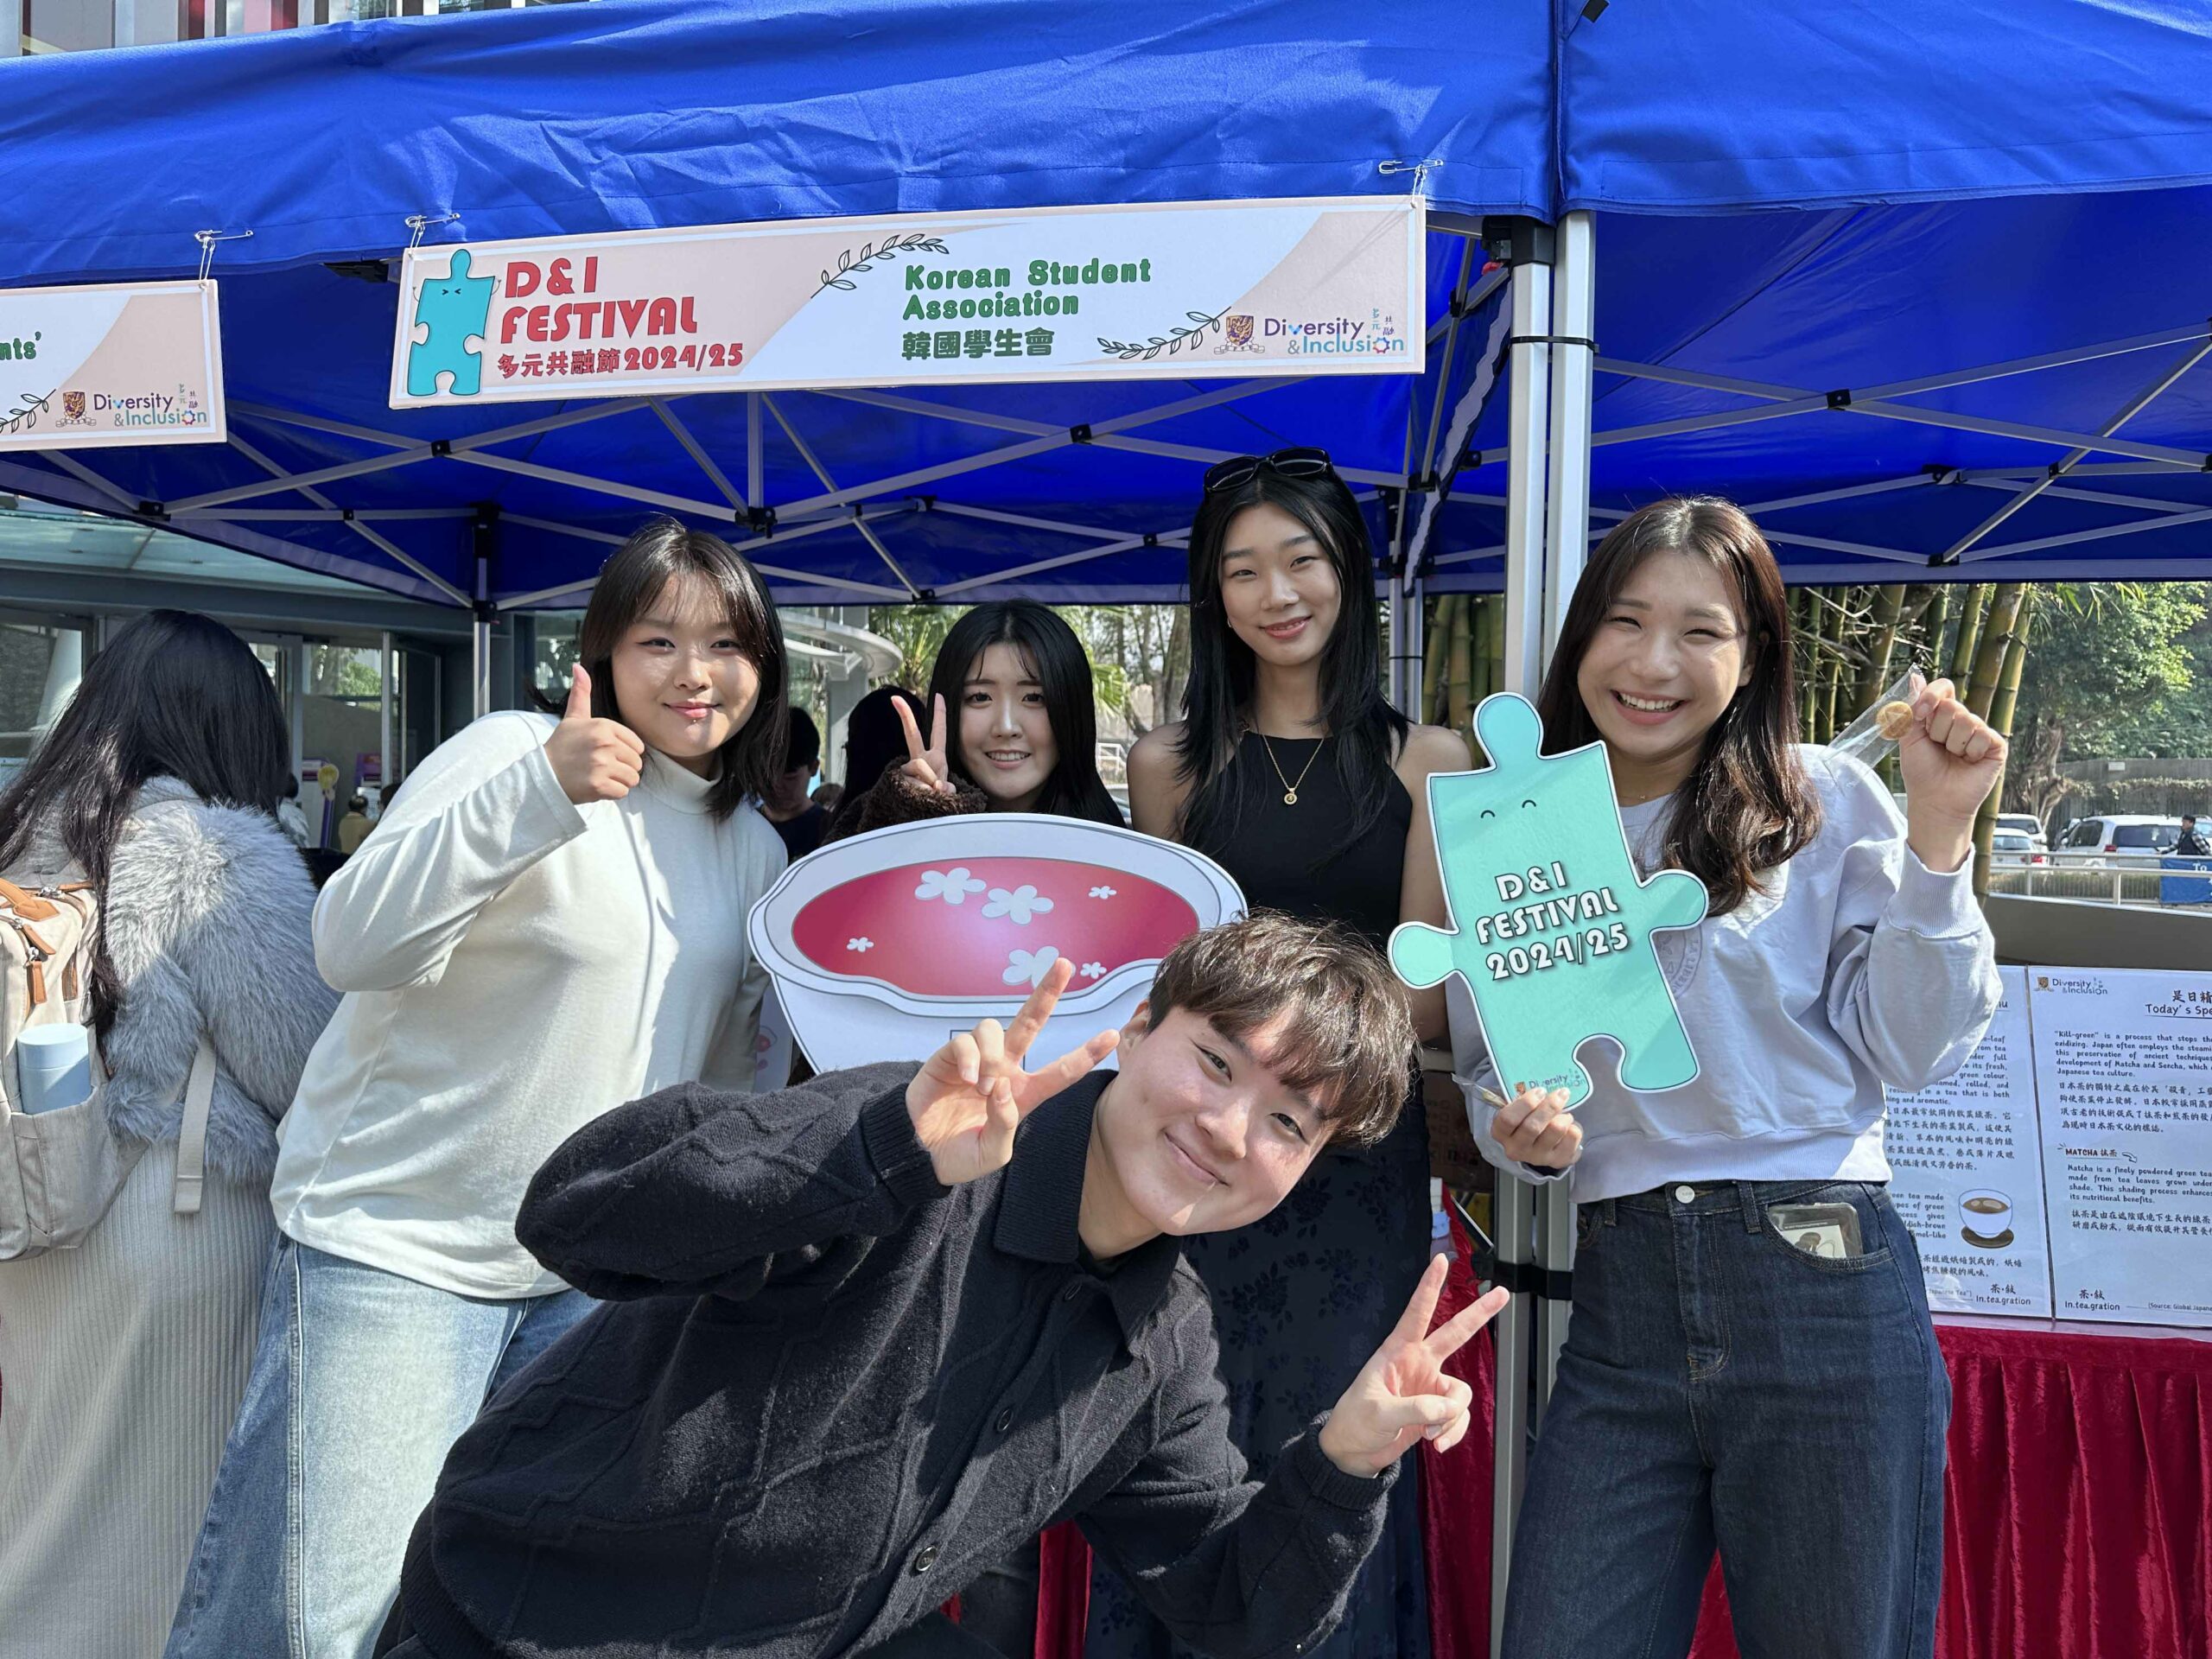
(549,922)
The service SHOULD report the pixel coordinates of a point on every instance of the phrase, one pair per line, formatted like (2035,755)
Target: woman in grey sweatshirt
(124,1360)
(1749,1367)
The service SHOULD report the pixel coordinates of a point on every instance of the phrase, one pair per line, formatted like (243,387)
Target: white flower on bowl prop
(1018,905)
(953,886)
(862,943)
(1029,967)
(1101,892)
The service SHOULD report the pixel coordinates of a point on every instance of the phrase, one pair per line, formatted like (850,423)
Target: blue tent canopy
(1973,187)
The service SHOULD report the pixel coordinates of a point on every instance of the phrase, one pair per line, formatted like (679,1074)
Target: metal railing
(2117,879)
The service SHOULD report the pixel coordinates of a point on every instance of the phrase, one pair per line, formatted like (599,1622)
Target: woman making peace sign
(1724,1385)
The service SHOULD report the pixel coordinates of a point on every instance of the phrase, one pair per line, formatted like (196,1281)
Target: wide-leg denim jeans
(1721,1388)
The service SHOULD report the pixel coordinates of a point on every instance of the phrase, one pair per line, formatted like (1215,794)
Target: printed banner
(116,364)
(1179,290)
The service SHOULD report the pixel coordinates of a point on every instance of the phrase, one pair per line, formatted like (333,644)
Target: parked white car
(2025,823)
(2012,844)
(2133,840)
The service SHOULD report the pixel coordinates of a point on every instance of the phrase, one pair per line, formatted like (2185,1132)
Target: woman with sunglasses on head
(1750,1365)
(1292,771)
(1025,732)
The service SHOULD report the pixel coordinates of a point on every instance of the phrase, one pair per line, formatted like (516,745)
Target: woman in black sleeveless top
(1292,771)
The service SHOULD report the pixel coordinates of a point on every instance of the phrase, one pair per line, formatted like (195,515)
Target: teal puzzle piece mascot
(1551,925)
(456,309)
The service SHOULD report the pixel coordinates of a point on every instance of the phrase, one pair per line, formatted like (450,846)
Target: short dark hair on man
(1349,1039)
(803,746)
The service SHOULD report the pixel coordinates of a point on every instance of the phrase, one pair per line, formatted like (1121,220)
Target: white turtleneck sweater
(513,966)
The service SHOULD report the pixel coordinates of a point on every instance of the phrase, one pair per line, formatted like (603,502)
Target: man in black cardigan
(866,1335)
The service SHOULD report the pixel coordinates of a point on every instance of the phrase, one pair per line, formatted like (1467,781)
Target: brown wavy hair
(1747,805)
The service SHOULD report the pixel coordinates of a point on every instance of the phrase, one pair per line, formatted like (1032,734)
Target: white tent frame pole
(84,474)
(1528,420)
(1567,546)
(809,578)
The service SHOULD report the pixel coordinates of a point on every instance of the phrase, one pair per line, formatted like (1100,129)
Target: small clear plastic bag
(1863,740)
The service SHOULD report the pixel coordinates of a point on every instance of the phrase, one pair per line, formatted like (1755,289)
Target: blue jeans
(1721,1386)
(361,1381)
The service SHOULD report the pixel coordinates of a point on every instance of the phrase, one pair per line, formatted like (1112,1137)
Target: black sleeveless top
(1271,848)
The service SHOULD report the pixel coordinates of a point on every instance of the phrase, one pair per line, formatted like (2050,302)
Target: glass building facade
(28,27)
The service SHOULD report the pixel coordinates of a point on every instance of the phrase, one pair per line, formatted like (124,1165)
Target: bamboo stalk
(2005,700)
(1438,646)
(1969,635)
(1458,675)
(1874,674)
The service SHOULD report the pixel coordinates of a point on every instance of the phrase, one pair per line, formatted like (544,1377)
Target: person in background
(292,816)
(1721,1385)
(353,829)
(873,740)
(550,921)
(1027,741)
(2191,842)
(799,821)
(125,1359)
(1291,770)
(1025,738)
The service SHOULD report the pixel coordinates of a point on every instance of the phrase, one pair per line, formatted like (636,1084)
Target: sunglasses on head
(1297,462)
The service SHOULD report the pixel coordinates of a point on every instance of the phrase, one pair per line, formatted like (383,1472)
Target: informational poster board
(1965,1160)
(2124,1079)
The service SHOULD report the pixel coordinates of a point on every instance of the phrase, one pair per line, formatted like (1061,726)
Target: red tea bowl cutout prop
(884,944)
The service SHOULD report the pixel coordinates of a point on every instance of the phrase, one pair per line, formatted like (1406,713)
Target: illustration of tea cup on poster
(1985,1218)
(884,945)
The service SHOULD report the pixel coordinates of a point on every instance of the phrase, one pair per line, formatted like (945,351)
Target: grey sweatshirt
(1856,968)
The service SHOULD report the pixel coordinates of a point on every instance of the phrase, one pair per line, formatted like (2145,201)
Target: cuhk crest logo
(1240,329)
(72,405)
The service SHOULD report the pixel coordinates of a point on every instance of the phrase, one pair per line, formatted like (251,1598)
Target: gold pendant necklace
(1290,789)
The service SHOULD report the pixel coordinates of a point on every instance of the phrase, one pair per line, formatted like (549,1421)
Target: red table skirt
(2078,1505)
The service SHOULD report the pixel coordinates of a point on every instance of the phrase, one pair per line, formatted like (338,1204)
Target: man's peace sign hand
(969,1097)
(1403,1393)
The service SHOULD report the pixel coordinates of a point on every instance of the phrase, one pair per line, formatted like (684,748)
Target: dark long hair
(1747,805)
(658,552)
(1218,699)
(1053,652)
(175,695)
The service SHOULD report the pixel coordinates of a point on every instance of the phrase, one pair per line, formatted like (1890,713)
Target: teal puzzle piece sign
(1551,925)
(453,309)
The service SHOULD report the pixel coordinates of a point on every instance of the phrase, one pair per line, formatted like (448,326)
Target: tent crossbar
(383,544)
(813,464)
(1782,504)
(599,486)
(809,578)
(1194,452)
(2134,406)
(2071,493)
(2168,521)
(84,474)
(682,433)
(1025,521)
(2085,441)
(328,515)
(1016,572)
